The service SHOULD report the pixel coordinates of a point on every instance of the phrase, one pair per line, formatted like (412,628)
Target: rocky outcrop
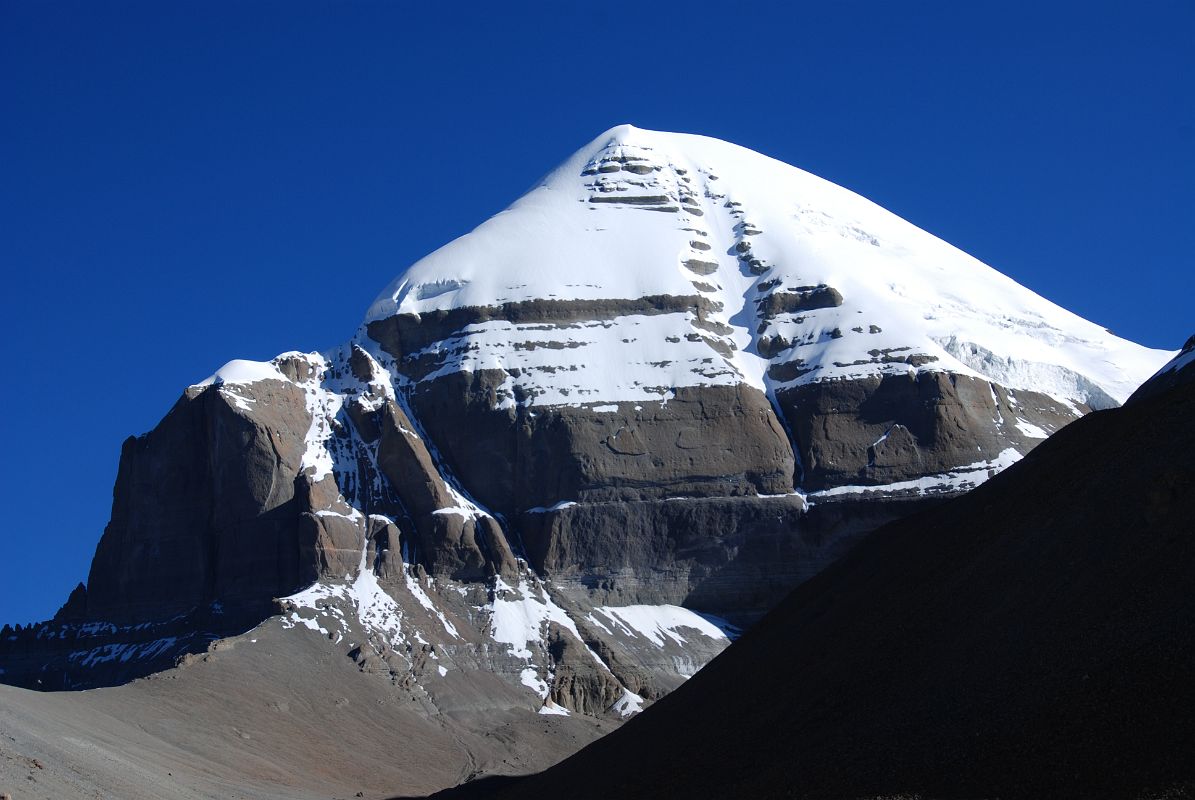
(731,555)
(579,682)
(408,334)
(206,508)
(449,540)
(891,428)
(715,441)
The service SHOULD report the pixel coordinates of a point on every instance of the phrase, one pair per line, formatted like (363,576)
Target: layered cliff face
(1027,640)
(675,376)
(672,317)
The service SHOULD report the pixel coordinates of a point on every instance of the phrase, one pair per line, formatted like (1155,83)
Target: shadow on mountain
(65,654)
(1033,638)
(474,790)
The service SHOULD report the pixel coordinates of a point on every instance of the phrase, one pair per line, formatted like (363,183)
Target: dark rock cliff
(1033,638)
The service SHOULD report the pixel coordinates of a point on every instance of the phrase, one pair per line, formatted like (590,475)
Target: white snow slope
(620,219)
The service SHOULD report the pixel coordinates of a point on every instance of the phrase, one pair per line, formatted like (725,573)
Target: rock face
(677,376)
(717,441)
(205,504)
(1029,639)
(885,429)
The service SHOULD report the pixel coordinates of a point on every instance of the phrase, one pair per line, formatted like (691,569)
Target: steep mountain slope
(674,376)
(1033,638)
(1179,371)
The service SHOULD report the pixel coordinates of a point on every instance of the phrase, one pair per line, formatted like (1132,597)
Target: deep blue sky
(185,183)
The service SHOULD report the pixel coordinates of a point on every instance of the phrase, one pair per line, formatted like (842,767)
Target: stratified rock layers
(886,429)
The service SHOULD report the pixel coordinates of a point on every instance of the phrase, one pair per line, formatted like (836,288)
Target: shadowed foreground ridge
(1033,638)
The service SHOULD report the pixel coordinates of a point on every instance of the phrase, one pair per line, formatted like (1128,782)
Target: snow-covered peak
(240,370)
(645,214)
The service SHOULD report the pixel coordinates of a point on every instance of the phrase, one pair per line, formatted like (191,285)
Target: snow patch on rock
(657,623)
(961,478)
(242,371)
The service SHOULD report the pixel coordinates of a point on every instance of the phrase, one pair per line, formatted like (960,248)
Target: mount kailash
(567,455)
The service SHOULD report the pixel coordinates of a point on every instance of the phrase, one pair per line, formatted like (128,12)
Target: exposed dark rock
(638,200)
(701,267)
(1027,640)
(715,327)
(330,544)
(404,334)
(204,508)
(804,298)
(625,441)
(362,365)
(452,543)
(945,421)
(788,370)
(295,367)
(580,684)
(735,556)
(511,460)
(66,654)
(771,346)
(385,548)
(732,554)
(75,607)
(365,419)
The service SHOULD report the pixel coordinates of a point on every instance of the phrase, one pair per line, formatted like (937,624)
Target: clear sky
(184,183)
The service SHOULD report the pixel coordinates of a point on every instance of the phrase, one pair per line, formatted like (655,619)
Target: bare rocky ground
(244,722)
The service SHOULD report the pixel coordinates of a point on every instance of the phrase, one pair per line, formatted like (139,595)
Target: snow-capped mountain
(675,377)
(772,261)
(694,264)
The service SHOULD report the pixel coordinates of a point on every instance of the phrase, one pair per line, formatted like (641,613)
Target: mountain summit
(675,377)
(779,267)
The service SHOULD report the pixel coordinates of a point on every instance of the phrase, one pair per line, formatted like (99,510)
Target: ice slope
(692,216)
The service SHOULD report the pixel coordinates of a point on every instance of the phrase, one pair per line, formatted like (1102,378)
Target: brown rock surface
(891,428)
(204,506)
